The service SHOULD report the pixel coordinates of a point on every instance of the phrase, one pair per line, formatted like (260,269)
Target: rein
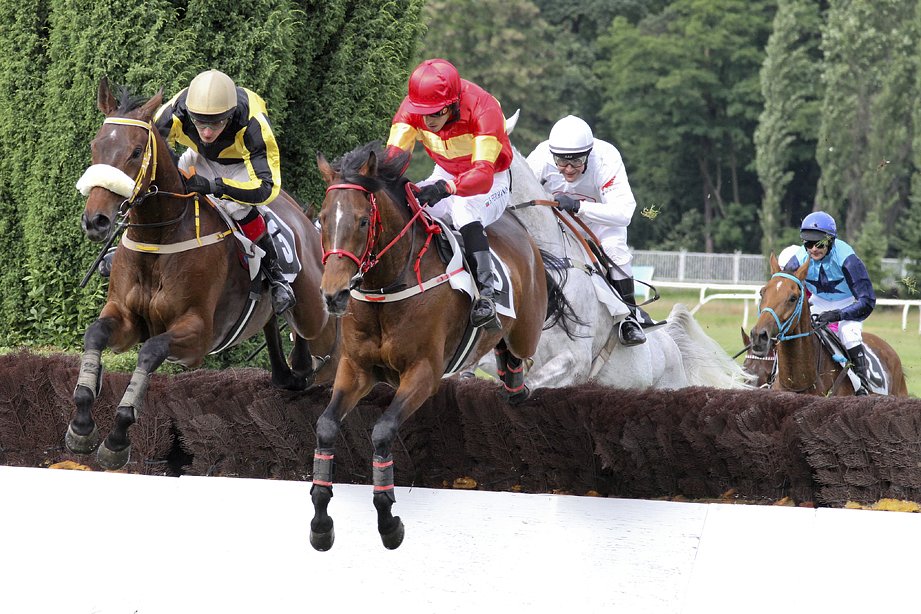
(782,335)
(787,324)
(598,257)
(149,161)
(368,258)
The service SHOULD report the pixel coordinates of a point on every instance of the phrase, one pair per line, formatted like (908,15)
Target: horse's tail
(705,362)
(559,309)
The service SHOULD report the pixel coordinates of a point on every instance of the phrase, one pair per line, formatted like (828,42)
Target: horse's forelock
(389,171)
(127,101)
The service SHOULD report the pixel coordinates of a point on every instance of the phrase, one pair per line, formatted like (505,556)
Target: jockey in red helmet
(462,129)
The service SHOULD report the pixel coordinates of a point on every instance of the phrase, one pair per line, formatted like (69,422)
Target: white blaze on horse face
(332,226)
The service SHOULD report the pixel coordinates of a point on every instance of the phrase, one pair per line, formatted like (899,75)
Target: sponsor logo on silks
(608,185)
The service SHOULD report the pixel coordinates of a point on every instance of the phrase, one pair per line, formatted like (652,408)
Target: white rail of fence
(734,276)
(748,293)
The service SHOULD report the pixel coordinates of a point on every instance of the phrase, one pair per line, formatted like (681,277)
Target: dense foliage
(735,117)
(331,73)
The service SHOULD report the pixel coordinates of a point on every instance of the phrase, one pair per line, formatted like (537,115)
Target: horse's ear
(369,168)
(802,270)
(326,171)
(745,338)
(775,266)
(105,101)
(147,110)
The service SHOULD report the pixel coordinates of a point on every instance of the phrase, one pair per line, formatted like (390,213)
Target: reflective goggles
(819,243)
(212,125)
(574,161)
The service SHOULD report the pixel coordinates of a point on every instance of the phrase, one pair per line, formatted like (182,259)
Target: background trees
(735,118)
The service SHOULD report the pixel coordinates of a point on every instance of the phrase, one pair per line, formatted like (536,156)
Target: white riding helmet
(571,136)
(212,96)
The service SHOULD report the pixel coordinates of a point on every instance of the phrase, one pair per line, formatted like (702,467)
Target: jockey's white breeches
(462,210)
(618,252)
(850,332)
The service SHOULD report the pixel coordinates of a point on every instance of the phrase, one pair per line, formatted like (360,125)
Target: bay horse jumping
(803,363)
(378,252)
(179,282)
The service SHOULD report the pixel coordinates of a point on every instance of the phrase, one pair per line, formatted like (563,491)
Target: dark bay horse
(760,368)
(178,281)
(376,245)
(803,363)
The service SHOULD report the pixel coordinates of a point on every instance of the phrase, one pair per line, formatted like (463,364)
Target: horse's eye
(793,298)
(136,153)
(363,222)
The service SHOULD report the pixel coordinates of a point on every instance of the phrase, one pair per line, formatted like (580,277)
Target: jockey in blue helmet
(840,286)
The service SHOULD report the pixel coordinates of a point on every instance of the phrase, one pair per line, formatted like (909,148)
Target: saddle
(875,374)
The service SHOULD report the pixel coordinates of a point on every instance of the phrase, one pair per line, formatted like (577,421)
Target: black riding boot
(483,313)
(630,330)
(476,248)
(282,295)
(861,366)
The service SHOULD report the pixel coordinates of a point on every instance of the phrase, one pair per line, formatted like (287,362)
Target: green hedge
(331,72)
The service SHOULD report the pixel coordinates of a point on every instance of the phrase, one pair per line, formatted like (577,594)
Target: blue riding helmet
(818,225)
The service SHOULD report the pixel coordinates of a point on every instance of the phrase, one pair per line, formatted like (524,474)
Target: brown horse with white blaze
(179,283)
(803,363)
(376,246)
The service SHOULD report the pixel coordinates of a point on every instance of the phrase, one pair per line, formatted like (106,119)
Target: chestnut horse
(404,325)
(803,362)
(178,281)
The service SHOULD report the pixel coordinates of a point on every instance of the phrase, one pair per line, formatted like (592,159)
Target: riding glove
(431,194)
(202,185)
(832,315)
(566,202)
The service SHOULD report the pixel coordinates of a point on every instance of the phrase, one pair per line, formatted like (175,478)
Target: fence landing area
(105,543)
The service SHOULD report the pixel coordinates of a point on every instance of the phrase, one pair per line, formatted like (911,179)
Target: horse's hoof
(81,444)
(519,397)
(322,541)
(112,460)
(294,384)
(393,539)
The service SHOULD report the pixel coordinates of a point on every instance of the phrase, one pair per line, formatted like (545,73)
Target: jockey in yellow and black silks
(236,158)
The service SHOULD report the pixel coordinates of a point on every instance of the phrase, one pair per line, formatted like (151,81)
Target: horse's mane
(389,171)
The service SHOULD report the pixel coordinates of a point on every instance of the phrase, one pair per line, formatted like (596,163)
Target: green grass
(722,320)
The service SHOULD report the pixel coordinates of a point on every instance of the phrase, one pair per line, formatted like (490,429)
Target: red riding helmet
(434,85)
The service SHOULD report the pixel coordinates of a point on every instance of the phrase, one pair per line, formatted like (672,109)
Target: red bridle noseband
(366,261)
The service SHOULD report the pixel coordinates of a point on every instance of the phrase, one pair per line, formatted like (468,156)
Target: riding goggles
(572,161)
(212,125)
(819,243)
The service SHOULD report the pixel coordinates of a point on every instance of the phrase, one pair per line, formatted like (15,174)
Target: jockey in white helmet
(587,178)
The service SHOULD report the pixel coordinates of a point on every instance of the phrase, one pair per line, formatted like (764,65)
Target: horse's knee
(382,436)
(327,431)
